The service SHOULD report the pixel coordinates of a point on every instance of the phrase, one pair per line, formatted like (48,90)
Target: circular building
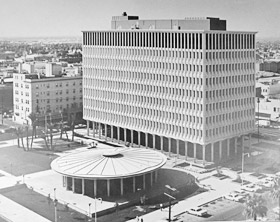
(109,171)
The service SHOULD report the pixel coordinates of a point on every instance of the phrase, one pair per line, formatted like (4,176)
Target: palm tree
(275,192)
(255,206)
(33,117)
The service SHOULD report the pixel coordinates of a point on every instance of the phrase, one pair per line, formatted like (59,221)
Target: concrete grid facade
(181,91)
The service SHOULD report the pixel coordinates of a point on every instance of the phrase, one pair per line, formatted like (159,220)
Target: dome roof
(109,163)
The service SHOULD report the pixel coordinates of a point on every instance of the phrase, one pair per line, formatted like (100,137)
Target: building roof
(109,163)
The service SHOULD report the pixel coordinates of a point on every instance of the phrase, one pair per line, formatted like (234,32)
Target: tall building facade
(51,97)
(182,86)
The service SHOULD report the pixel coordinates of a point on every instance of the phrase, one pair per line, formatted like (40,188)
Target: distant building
(50,96)
(270,66)
(182,86)
(53,69)
(269,86)
(7,55)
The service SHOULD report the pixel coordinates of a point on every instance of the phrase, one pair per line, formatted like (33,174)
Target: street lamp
(54,193)
(55,209)
(170,189)
(95,213)
(89,214)
(242,169)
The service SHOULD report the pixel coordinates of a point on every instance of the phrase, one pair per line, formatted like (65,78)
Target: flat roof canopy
(109,163)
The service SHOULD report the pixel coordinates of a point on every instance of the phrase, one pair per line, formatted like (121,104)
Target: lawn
(41,204)
(15,161)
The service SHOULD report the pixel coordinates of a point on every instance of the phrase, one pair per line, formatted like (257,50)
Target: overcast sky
(37,18)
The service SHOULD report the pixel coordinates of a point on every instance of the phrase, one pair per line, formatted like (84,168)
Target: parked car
(234,197)
(241,192)
(266,183)
(80,126)
(251,187)
(8,130)
(197,211)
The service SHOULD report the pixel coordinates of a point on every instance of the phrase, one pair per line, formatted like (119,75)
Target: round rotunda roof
(109,163)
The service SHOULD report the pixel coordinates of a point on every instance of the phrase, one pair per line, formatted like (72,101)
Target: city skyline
(62,18)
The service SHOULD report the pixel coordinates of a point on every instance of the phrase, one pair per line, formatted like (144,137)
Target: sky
(41,18)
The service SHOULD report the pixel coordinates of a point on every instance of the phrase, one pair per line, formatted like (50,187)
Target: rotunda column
(121,186)
(93,128)
(83,186)
(63,181)
(151,179)
(125,139)
(169,146)
(112,132)
(132,138)
(156,176)
(144,182)
(154,141)
(95,187)
(108,188)
(106,131)
(73,184)
(118,134)
(139,138)
(133,185)
(99,130)
(146,140)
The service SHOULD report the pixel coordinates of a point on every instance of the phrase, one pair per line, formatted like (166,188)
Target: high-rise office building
(181,86)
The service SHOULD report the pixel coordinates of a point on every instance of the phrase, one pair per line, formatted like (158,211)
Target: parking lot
(218,210)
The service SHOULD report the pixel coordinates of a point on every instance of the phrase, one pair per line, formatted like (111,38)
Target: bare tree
(33,117)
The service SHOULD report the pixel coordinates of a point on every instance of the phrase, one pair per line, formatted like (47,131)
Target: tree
(51,127)
(255,206)
(27,137)
(21,137)
(275,192)
(18,136)
(33,117)
(73,118)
